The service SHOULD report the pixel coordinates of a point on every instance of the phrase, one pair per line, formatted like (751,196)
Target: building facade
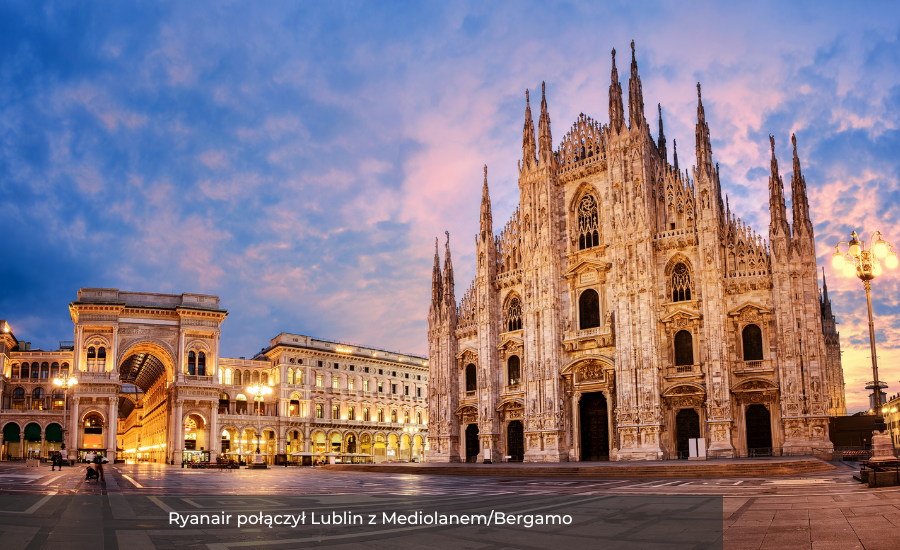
(624,309)
(152,387)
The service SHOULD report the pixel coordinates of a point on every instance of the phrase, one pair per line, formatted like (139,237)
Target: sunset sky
(298,160)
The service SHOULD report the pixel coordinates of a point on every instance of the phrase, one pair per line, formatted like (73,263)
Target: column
(72,443)
(115,347)
(180,353)
(1,445)
(76,359)
(576,425)
(113,426)
(179,431)
(22,444)
(213,437)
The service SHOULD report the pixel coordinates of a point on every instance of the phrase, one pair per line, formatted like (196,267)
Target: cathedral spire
(675,149)
(799,200)
(545,139)
(704,148)
(635,96)
(487,223)
(449,290)
(777,210)
(529,155)
(616,111)
(661,142)
(437,285)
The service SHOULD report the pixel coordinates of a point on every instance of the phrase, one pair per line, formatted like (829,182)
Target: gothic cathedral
(624,310)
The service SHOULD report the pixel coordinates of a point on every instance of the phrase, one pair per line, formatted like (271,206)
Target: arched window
(681,283)
(753,344)
(64,370)
(684,348)
(54,370)
(418,418)
(24,370)
(290,376)
(45,370)
(14,371)
(514,314)
(237,377)
(365,415)
(19,393)
(254,378)
(381,415)
(37,399)
(406,417)
(101,353)
(35,371)
(513,370)
(191,366)
(335,412)
(318,410)
(471,380)
(201,364)
(588,223)
(588,309)
(351,413)
(92,353)
(228,377)
(394,416)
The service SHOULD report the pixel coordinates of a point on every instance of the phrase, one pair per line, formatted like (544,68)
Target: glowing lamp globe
(837,260)
(891,261)
(876,270)
(849,270)
(880,249)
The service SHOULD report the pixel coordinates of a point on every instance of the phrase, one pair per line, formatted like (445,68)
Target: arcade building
(150,386)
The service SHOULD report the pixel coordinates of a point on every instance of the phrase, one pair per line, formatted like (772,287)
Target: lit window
(336,383)
(365,414)
(380,387)
(319,380)
(393,416)
(405,390)
(351,413)
(365,385)
(319,410)
(335,412)
(381,415)
(350,383)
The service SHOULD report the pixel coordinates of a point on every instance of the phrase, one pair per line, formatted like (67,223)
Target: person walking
(98,465)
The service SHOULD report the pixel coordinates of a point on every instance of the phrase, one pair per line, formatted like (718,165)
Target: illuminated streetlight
(259,393)
(864,263)
(65,383)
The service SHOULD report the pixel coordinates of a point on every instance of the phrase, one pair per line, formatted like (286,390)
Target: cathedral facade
(624,310)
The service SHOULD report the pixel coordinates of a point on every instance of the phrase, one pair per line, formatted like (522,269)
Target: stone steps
(613,470)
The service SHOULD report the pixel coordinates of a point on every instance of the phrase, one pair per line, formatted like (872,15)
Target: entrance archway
(473,447)
(33,440)
(11,446)
(687,426)
(144,372)
(759,430)
(515,441)
(594,424)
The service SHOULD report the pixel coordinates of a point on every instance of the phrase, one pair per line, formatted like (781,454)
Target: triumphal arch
(154,351)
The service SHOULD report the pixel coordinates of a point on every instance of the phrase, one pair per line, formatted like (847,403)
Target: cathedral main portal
(594,427)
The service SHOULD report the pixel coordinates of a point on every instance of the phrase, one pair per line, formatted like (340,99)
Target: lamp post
(259,392)
(864,263)
(65,383)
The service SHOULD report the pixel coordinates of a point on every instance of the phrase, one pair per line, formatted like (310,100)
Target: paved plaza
(52,509)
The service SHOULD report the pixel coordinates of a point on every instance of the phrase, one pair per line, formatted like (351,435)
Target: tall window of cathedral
(681,283)
(588,223)
(471,380)
(751,338)
(513,370)
(192,360)
(588,309)
(201,364)
(684,348)
(45,370)
(514,314)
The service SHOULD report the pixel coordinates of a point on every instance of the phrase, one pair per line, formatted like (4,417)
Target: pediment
(684,388)
(466,409)
(681,312)
(467,350)
(585,266)
(511,403)
(754,384)
(511,342)
(761,309)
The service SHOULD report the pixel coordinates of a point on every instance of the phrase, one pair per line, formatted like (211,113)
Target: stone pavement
(821,511)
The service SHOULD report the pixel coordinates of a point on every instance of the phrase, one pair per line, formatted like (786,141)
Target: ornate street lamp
(864,263)
(259,393)
(65,383)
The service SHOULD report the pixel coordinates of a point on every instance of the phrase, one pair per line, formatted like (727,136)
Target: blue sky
(298,159)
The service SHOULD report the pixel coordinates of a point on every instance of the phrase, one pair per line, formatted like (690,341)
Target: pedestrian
(98,465)
(55,461)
